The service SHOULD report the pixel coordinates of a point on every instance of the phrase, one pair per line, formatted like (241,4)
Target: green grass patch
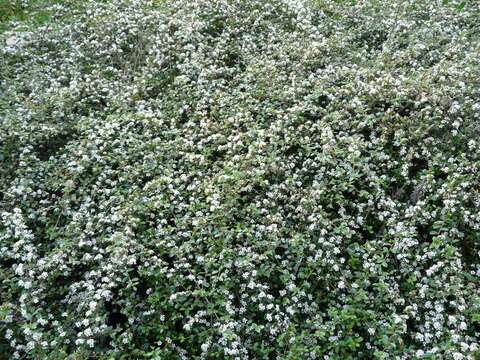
(35,13)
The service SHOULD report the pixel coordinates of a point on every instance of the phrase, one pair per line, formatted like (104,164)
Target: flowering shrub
(278,179)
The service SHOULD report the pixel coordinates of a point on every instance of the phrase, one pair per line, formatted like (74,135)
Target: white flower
(19,270)
(11,41)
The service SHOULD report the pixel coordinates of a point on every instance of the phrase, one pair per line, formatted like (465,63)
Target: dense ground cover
(240,179)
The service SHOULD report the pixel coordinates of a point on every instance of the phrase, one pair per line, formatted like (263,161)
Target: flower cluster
(288,179)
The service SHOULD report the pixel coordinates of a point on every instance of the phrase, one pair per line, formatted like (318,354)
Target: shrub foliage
(278,179)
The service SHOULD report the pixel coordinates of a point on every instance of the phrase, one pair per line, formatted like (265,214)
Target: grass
(33,12)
